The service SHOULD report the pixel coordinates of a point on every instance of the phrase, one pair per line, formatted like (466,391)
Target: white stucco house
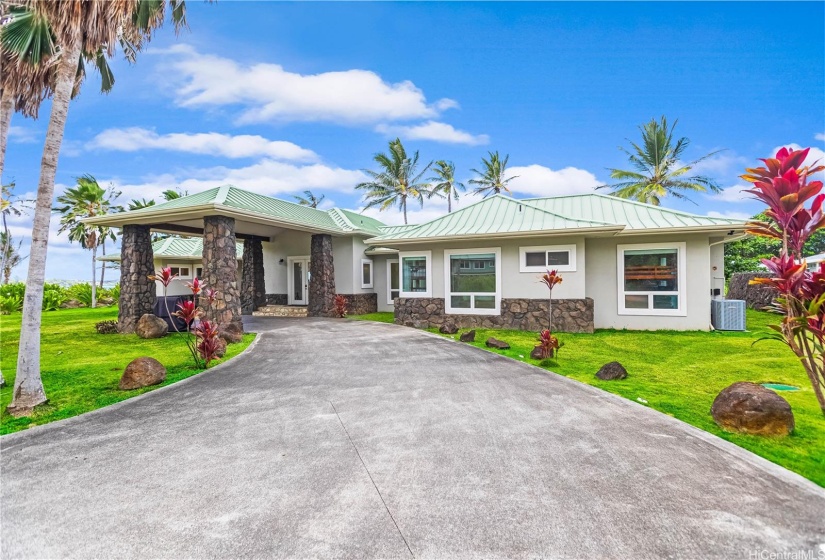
(625,264)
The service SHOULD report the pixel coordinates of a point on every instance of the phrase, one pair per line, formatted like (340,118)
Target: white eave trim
(506,235)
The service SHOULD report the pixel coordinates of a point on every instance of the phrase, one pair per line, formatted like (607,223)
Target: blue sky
(279,98)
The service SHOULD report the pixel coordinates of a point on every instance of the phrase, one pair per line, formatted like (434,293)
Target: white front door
(297,280)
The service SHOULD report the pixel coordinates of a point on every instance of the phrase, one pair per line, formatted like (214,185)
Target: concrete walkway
(363,440)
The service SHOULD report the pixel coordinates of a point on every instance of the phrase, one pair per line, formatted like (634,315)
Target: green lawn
(81,368)
(680,373)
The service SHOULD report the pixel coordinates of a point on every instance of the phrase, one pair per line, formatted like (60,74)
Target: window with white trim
(416,274)
(366,273)
(472,280)
(198,272)
(182,271)
(540,258)
(393,282)
(652,279)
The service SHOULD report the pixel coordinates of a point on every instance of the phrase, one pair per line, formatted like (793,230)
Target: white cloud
(435,131)
(23,135)
(267,177)
(731,214)
(542,181)
(722,164)
(732,194)
(820,136)
(434,208)
(268,92)
(211,143)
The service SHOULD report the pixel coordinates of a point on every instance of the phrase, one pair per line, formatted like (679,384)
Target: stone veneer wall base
(321,276)
(361,304)
(569,315)
(220,269)
(137,292)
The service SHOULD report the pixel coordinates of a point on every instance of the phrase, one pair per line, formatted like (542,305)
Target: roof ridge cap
(562,216)
(342,216)
(223,192)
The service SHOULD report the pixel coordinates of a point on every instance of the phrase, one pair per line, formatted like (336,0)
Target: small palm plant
(492,178)
(444,183)
(397,181)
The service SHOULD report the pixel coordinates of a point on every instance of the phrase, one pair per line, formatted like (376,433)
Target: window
(652,279)
(393,282)
(416,274)
(183,271)
(539,259)
(473,281)
(199,272)
(366,273)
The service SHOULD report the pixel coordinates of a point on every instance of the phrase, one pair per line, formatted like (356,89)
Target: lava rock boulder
(142,372)
(497,344)
(448,328)
(231,332)
(151,326)
(748,408)
(469,336)
(611,372)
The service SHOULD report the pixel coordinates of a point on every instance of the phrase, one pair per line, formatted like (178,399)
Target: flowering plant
(794,214)
(548,344)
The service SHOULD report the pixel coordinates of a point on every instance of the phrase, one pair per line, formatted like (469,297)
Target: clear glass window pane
(393,294)
(635,302)
(199,271)
(485,302)
(535,259)
(651,270)
(414,274)
(666,302)
(184,271)
(394,276)
(558,258)
(366,273)
(480,277)
(461,302)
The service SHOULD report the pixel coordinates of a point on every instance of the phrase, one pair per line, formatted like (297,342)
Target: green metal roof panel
(362,222)
(279,209)
(497,214)
(632,214)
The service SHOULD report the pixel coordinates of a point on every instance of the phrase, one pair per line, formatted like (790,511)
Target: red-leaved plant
(550,279)
(339,306)
(794,213)
(201,337)
(548,344)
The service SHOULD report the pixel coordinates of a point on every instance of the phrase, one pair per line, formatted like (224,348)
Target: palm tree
(397,181)
(444,183)
(86,200)
(492,179)
(96,27)
(657,168)
(11,257)
(309,199)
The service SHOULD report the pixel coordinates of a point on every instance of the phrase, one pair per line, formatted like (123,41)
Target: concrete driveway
(363,440)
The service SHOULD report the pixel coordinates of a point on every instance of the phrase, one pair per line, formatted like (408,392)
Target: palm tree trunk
(28,386)
(103,265)
(6,109)
(94,275)
(449,202)
(404,207)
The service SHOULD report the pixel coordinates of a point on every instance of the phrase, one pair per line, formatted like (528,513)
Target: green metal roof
(174,247)
(229,197)
(495,215)
(632,214)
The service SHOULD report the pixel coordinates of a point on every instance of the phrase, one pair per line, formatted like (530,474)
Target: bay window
(472,281)
(652,279)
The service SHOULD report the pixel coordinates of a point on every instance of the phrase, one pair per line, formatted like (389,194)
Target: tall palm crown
(9,255)
(657,167)
(397,180)
(85,200)
(443,182)
(491,179)
(309,199)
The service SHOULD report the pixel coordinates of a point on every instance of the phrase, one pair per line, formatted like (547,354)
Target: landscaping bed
(680,374)
(81,368)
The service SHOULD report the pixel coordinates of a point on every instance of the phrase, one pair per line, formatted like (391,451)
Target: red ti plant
(794,213)
(548,344)
(201,337)
(550,279)
(339,306)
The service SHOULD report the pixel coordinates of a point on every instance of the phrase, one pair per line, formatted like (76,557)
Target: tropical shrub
(548,345)
(13,289)
(114,292)
(783,185)
(550,279)
(53,297)
(82,292)
(200,335)
(106,327)
(10,303)
(339,308)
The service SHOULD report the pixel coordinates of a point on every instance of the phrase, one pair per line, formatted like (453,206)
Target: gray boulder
(151,326)
(231,332)
(469,336)
(748,408)
(448,328)
(611,372)
(497,344)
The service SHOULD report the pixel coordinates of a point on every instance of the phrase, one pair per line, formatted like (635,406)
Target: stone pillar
(220,270)
(137,292)
(253,291)
(322,277)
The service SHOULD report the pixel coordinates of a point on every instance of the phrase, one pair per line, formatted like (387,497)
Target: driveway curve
(365,440)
